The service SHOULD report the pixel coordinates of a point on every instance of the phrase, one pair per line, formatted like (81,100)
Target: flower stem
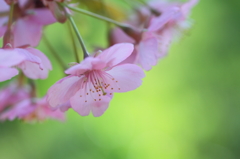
(10,18)
(122,25)
(52,50)
(85,53)
(74,44)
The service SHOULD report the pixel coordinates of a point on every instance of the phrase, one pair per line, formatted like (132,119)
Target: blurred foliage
(187,108)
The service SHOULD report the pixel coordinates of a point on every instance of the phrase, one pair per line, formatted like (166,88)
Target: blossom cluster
(136,44)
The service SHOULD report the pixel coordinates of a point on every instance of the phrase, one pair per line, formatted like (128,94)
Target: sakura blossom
(32,62)
(30,110)
(91,84)
(161,28)
(135,43)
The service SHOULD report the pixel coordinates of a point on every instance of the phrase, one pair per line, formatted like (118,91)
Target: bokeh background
(188,106)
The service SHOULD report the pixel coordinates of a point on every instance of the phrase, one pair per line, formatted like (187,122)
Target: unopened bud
(58,11)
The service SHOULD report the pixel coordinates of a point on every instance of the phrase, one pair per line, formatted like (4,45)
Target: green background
(188,106)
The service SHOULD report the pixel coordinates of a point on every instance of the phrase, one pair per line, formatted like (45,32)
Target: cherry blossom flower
(32,110)
(28,25)
(172,21)
(91,84)
(33,63)
(153,43)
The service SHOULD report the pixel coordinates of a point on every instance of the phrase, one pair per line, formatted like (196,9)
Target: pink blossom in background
(12,94)
(32,19)
(32,110)
(153,43)
(172,21)
(33,63)
(146,52)
(91,84)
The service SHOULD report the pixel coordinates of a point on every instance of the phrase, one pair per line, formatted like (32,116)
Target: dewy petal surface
(116,54)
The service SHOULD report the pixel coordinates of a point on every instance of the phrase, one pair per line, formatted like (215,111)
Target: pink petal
(82,103)
(158,22)
(29,56)
(186,7)
(63,90)
(125,77)
(10,57)
(7,73)
(116,54)
(32,70)
(164,41)
(30,36)
(147,53)
(87,64)
(117,35)
(42,17)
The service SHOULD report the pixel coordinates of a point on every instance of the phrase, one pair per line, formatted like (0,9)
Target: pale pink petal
(63,90)
(80,103)
(158,22)
(30,36)
(29,57)
(7,73)
(83,103)
(164,41)
(98,108)
(32,70)
(87,64)
(45,61)
(186,7)
(117,35)
(125,77)
(147,53)
(41,17)
(64,107)
(10,57)
(116,54)
(131,59)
